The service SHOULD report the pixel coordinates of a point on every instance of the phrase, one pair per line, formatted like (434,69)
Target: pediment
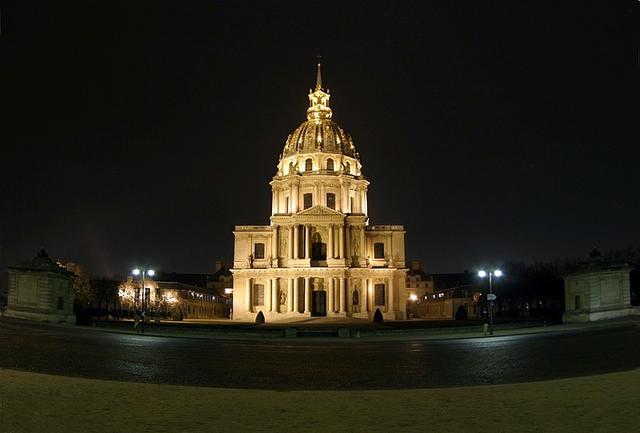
(319,210)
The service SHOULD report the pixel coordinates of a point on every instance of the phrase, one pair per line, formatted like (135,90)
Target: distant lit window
(330,164)
(258,294)
(379,294)
(308,165)
(259,251)
(308,200)
(378,250)
(331,200)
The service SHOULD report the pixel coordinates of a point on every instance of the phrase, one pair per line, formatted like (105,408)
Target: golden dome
(319,133)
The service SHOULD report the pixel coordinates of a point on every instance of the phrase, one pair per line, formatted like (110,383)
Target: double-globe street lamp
(142,272)
(490,297)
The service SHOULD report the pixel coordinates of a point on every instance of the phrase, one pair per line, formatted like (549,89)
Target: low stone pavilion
(598,289)
(40,289)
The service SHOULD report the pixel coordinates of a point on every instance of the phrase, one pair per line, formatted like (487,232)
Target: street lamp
(142,272)
(490,297)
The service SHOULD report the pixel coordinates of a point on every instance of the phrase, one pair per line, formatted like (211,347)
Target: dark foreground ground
(329,364)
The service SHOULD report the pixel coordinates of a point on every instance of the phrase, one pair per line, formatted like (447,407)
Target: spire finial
(319,75)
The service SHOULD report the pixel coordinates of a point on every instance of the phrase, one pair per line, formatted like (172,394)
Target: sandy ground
(32,402)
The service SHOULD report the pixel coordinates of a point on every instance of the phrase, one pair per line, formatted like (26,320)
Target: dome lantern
(319,133)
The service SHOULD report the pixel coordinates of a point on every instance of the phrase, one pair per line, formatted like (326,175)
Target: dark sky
(143,132)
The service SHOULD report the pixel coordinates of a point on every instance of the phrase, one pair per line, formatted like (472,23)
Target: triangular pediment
(319,210)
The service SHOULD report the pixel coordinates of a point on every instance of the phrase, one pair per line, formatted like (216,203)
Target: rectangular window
(308,200)
(331,201)
(577,301)
(60,302)
(378,250)
(258,251)
(258,294)
(379,294)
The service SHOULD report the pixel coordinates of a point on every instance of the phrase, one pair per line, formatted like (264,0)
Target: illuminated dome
(319,133)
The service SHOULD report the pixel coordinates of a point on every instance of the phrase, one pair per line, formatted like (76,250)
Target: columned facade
(319,256)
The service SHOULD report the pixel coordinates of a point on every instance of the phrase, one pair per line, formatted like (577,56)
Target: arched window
(258,252)
(258,294)
(307,200)
(318,248)
(379,297)
(331,200)
(330,164)
(378,250)
(308,165)
(291,168)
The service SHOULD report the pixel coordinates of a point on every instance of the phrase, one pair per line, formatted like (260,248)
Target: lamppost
(490,297)
(142,272)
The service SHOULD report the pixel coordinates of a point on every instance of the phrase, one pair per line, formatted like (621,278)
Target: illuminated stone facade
(170,300)
(40,289)
(319,256)
(598,290)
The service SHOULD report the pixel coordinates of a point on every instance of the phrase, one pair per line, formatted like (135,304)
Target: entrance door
(319,303)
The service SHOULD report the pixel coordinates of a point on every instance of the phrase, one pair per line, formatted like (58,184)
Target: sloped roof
(41,262)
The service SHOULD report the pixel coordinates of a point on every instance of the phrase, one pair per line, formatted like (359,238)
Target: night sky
(143,132)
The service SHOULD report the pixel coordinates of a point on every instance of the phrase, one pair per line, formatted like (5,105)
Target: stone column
(267,296)
(273,201)
(331,293)
(365,207)
(290,295)
(248,295)
(367,288)
(307,295)
(294,198)
(290,243)
(307,241)
(362,254)
(296,292)
(274,244)
(330,243)
(274,295)
(296,241)
(343,295)
(347,243)
(390,306)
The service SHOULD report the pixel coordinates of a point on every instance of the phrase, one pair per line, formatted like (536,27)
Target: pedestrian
(143,319)
(485,329)
(136,320)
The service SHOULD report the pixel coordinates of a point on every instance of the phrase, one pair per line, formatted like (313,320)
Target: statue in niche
(250,260)
(283,297)
(355,301)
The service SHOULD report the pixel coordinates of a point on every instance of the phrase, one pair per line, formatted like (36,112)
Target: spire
(319,77)
(318,100)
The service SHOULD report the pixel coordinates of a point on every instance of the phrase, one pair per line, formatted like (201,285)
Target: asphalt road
(322,364)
